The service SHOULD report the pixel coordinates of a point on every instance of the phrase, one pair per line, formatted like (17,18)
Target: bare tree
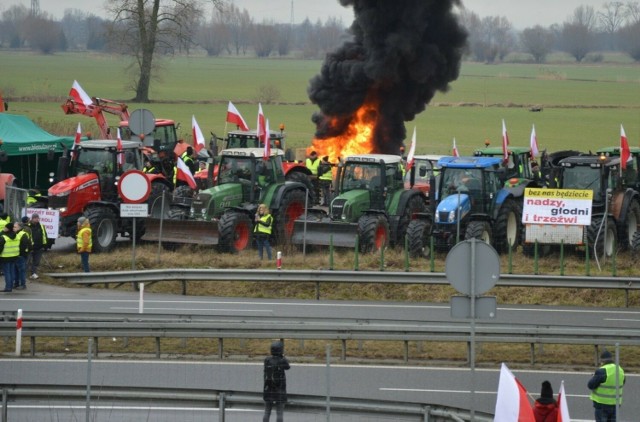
(611,18)
(140,28)
(577,35)
(214,36)
(537,41)
(490,38)
(14,19)
(630,40)
(44,34)
(265,39)
(633,12)
(240,28)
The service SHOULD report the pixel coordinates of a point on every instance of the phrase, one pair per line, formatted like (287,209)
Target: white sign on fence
(50,219)
(556,215)
(134,210)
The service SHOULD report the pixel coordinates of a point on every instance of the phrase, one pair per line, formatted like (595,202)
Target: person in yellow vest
(4,219)
(262,230)
(606,388)
(84,242)
(312,163)
(9,252)
(24,238)
(325,177)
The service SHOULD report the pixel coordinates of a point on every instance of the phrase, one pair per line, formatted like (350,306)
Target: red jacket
(545,412)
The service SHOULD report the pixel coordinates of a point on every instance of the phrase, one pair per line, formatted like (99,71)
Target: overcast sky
(521,13)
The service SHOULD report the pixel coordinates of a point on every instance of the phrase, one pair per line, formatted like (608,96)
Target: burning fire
(356,139)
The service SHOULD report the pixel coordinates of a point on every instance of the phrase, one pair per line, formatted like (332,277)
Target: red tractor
(89,187)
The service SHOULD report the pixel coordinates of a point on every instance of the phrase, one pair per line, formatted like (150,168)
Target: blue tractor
(471,201)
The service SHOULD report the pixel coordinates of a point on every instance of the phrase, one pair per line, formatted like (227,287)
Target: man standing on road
(84,242)
(606,388)
(275,382)
(9,251)
(40,242)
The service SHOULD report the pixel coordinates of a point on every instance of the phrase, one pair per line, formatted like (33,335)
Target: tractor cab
(519,168)
(595,172)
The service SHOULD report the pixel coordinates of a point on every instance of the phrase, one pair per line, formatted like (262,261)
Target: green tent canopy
(27,146)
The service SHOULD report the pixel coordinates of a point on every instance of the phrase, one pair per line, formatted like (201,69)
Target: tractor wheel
(628,227)
(599,244)
(635,242)
(480,230)
(508,226)
(414,206)
(300,177)
(103,228)
(374,233)
(158,191)
(235,232)
(178,213)
(291,207)
(419,238)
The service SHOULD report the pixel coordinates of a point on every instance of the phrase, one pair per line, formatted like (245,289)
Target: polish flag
(119,150)
(78,95)
(267,144)
(456,153)
(76,142)
(625,152)
(412,151)
(1,103)
(512,404)
(260,130)
(233,116)
(184,173)
(534,142)
(198,137)
(563,411)
(505,142)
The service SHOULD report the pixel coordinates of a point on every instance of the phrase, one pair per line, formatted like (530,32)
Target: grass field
(583,105)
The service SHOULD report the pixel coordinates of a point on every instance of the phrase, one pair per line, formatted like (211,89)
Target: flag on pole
(198,137)
(412,151)
(78,95)
(512,404)
(1,103)
(563,411)
(625,152)
(505,142)
(534,142)
(267,144)
(185,174)
(120,151)
(76,143)
(456,153)
(260,126)
(233,116)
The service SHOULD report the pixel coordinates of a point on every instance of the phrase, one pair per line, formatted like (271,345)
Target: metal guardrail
(68,324)
(626,284)
(220,400)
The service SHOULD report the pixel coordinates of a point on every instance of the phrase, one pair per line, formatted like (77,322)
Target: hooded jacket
(545,410)
(277,393)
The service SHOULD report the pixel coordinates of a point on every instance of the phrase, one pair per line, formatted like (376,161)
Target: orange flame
(356,139)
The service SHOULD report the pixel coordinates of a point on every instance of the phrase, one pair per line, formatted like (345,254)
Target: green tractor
(372,206)
(223,215)
(518,167)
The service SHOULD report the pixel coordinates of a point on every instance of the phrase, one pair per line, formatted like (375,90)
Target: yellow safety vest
(151,169)
(312,166)
(606,392)
(3,222)
(20,235)
(80,244)
(261,228)
(327,175)
(11,247)
(32,199)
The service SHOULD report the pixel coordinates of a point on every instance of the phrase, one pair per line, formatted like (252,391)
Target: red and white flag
(1,103)
(260,130)
(534,142)
(76,142)
(119,150)
(456,153)
(198,137)
(625,152)
(185,174)
(563,411)
(505,142)
(81,98)
(512,403)
(233,116)
(412,151)
(267,144)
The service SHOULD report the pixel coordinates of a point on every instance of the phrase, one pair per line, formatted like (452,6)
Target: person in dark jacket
(24,244)
(545,408)
(40,243)
(275,382)
(606,387)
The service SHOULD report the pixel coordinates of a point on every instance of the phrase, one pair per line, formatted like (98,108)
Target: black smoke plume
(401,53)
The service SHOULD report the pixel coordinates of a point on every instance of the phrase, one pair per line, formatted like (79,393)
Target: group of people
(603,385)
(21,247)
(23,243)
(321,176)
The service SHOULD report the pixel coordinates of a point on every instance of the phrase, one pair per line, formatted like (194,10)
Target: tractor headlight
(452,216)
(346,212)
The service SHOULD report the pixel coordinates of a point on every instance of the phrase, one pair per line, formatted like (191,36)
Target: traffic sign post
(473,268)
(134,189)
